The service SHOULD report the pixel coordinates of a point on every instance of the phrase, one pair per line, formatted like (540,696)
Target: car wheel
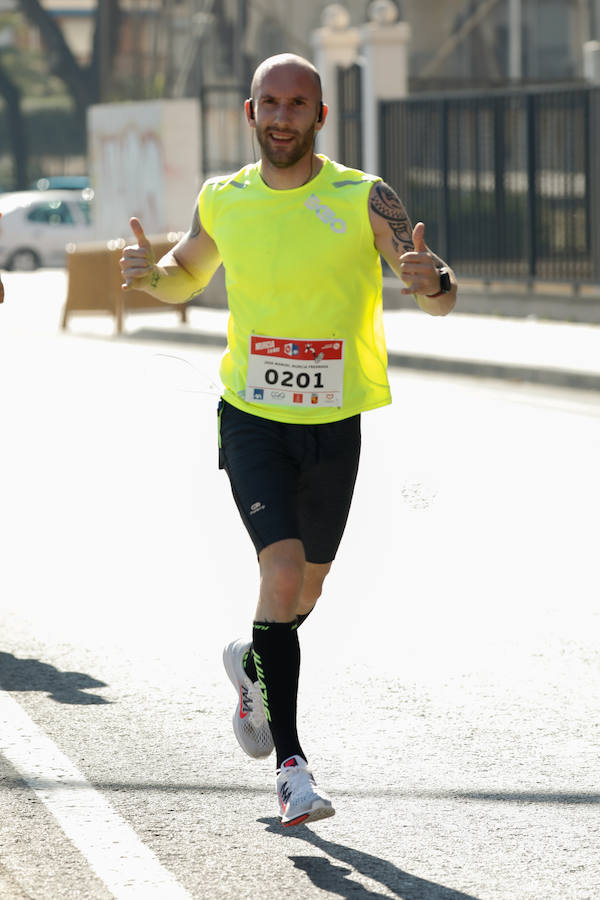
(23,260)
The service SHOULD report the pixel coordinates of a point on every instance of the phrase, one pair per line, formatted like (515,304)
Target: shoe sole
(320,812)
(229,664)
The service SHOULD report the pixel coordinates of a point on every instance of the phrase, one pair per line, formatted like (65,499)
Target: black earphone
(251,109)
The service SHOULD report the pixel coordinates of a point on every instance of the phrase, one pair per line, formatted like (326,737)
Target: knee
(312,589)
(309,597)
(281,586)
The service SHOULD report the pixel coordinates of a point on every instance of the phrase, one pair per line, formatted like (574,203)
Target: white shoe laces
(254,703)
(298,774)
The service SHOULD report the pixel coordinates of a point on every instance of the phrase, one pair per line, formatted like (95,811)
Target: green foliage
(27,69)
(53,131)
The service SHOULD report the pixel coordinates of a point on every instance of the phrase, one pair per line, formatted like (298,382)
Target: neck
(293,177)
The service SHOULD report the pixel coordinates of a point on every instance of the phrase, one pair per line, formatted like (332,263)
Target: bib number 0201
(295,372)
(287,379)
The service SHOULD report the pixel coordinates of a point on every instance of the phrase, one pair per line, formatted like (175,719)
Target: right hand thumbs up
(137,261)
(138,231)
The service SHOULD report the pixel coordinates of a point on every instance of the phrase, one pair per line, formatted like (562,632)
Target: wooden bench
(94,282)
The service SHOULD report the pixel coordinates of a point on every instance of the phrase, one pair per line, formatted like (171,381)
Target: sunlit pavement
(450,683)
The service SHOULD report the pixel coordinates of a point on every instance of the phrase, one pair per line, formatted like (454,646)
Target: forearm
(170,282)
(182,273)
(437,306)
(442,304)
(407,254)
(434,306)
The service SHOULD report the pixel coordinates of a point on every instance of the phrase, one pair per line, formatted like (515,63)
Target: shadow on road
(329,877)
(32,675)
(206,787)
(568,797)
(200,787)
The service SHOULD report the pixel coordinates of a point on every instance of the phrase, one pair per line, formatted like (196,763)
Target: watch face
(445,283)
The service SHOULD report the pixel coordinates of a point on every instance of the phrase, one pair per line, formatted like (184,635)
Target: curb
(418,362)
(477,300)
(502,371)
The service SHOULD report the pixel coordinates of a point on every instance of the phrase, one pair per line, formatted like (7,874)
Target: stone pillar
(591,61)
(384,48)
(335,44)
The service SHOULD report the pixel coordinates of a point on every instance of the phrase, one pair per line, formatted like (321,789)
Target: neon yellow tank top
(303,277)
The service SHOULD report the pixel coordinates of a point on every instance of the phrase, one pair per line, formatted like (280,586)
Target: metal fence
(350,116)
(508,183)
(226,139)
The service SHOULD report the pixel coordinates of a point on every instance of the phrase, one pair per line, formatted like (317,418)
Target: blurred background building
(175,46)
(497,96)
(59,56)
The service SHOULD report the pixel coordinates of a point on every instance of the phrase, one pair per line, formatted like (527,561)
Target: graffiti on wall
(128,180)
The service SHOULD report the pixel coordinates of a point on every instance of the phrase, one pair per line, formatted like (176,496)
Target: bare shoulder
(389,218)
(384,200)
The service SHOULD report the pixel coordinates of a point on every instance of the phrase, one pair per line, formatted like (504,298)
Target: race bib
(295,373)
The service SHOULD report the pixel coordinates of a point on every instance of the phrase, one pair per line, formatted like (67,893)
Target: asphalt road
(450,688)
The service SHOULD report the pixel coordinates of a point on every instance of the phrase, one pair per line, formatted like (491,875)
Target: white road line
(107,842)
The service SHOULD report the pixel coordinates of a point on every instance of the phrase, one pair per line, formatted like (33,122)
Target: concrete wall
(144,161)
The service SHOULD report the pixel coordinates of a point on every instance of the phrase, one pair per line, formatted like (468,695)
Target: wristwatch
(445,283)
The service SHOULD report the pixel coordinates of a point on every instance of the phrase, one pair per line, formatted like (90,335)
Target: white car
(36,226)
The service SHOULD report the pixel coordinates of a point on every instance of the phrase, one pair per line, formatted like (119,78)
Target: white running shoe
(250,725)
(300,801)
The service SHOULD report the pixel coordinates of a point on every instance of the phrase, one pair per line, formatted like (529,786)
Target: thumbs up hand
(1,285)
(137,262)
(418,237)
(418,267)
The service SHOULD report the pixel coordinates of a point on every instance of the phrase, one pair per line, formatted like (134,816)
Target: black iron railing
(226,138)
(508,183)
(350,116)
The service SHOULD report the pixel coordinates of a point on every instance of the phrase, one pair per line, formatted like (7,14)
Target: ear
(248,109)
(319,125)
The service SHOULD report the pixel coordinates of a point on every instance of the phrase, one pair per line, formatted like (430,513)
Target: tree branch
(16,128)
(61,60)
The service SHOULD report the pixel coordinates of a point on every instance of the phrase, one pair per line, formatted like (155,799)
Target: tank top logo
(325,214)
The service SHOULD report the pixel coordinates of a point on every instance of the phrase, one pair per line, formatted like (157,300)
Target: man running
(300,237)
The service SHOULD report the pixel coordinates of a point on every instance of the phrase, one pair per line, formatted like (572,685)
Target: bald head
(288,63)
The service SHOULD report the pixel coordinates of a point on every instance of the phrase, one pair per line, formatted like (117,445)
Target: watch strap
(445,283)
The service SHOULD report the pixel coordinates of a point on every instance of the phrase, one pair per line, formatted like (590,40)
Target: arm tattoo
(385,202)
(194,294)
(196,226)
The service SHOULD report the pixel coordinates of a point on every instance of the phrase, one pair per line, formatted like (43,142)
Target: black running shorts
(291,481)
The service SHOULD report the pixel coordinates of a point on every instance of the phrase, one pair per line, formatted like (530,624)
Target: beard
(285,155)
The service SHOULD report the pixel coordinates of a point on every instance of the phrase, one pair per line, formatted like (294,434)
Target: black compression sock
(248,661)
(277,659)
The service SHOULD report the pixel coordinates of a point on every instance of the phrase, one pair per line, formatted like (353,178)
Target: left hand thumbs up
(418,267)
(418,237)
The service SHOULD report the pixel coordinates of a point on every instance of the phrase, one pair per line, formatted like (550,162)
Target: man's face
(286,108)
